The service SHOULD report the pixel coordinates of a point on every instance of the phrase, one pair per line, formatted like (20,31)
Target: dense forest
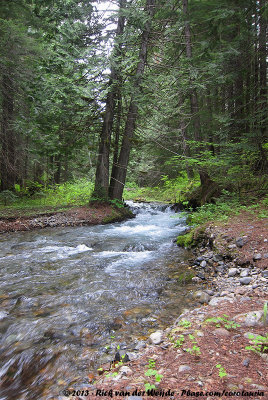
(144,94)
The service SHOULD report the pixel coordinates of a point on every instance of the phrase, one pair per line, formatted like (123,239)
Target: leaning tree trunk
(120,170)
(7,163)
(102,171)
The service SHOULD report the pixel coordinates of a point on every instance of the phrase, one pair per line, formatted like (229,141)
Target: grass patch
(48,200)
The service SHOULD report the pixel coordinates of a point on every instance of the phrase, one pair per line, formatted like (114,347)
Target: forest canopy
(141,92)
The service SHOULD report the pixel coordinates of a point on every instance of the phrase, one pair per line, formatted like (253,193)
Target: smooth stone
(265,273)
(232,272)
(3,314)
(156,337)
(221,332)
(257,256)
(217,300)
(203,264)
(232,246)
(184,368)
(244,273)
(201,297)
(125,370)
(245,281)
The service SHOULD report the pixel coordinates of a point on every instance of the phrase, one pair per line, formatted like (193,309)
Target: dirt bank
(87,215)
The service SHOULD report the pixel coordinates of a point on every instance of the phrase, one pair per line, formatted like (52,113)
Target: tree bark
(102,171)
(193,93)
(120,170)
(7,164)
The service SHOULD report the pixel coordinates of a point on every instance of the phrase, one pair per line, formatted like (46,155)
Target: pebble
(246,362)
(244,273)
(232,272)
(245,281)
(257,256)
(203,264)
(184,368)
(156,337)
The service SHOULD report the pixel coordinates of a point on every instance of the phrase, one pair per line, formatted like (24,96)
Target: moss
(185,240)
(192,238)
(186,277)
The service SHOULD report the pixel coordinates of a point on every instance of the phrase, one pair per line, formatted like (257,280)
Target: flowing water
(70,296)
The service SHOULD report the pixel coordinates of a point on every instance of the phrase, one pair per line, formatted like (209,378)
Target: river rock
(265,273)
(201,297)
(232,272)
(252,318)
(184,368)
(221,332)
(3,314)
(125,371)
(244,273)
(257,256)
(241,241)
(245,281)
(215,301)
(156,337)
(203,264)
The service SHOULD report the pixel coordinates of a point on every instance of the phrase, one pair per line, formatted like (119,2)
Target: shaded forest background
(152,94)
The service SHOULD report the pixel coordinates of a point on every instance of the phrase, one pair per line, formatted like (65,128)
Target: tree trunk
(8,173)
(102,171)
(120,171)
(204,178)
(263,83)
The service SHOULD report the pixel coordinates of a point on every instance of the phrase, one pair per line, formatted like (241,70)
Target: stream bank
(101,213)
(211,348)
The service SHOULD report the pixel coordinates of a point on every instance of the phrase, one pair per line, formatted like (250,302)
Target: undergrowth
(66,194)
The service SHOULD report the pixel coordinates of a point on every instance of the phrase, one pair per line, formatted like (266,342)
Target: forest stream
(70,297)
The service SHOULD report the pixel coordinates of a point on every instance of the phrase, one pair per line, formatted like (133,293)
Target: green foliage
(186,240)
(67,194)
(180,341)
(7,197)
(259,343)
(152,372)
(222,371)
(184,323)
(223,321)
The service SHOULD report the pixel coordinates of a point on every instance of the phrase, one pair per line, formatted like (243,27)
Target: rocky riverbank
(75,216)
(222,344)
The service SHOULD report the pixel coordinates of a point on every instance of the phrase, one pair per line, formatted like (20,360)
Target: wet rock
(257,256)
(3,314)
(201,275)
(232,272)
(201,297)
(241,241)
(156,337)
(245,281)
(184,368)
